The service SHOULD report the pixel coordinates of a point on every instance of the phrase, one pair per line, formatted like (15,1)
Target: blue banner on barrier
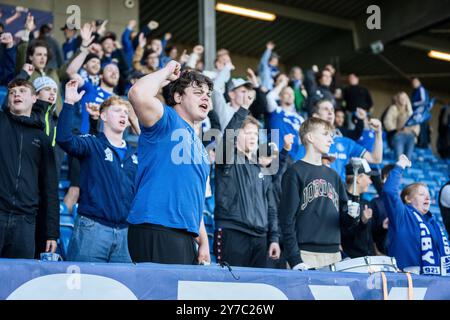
(29,279)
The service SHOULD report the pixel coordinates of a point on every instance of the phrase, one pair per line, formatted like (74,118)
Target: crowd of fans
(287,196)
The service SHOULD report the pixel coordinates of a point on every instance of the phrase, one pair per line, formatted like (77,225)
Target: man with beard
(96,94)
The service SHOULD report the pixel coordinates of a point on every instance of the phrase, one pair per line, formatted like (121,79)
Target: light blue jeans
(403,143)
(94,242)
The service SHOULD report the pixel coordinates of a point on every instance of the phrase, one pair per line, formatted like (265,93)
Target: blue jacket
(106,182)
(7,65)
(404,233)
(127,44)
(419,97)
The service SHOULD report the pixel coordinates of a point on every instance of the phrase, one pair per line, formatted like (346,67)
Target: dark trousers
(159,244)
(17,236)
(240,249)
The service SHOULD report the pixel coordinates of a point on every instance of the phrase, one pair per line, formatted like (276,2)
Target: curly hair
(187,79)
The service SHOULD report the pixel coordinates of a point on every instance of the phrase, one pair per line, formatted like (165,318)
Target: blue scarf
(435,256)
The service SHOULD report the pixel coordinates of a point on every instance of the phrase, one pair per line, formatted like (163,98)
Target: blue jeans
(17,235)
(403,143)
(94,242)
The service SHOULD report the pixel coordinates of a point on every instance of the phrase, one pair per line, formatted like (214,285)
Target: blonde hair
(250,120)
(396,100)
(113,100)
(311,124)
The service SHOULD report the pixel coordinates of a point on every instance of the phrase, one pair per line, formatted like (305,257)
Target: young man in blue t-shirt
(166,214)
(343,149)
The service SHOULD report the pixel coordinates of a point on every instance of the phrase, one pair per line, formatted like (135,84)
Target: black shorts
(159,244)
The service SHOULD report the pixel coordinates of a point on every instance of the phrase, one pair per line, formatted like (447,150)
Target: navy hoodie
(106,182)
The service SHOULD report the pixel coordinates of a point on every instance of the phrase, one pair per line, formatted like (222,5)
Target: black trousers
(17,236)
(240,249)
(159,244)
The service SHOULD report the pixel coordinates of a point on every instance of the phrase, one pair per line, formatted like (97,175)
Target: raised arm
(142,94)
(376,156)
(275,93)
(77,62)
(264,70)
(391,191)
(74,145)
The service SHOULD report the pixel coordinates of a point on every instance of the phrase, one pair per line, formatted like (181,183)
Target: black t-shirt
(313,207)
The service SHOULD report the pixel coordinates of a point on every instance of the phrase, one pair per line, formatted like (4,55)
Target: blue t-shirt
(94,94)
(343,149)
(172,173)
(121,152)
(286,122)
(367,139)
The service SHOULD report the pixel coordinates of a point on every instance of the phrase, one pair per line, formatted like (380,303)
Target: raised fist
(167,36)
(94,110)
(288,141)
(361,113)
(28,68)
(198,49)
(366,215)
(270,45)
(403,162)
(153,25)
(173,69)
(7,39)
(375,124)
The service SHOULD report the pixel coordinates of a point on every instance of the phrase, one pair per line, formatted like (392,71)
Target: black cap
(65,27)
(91,56)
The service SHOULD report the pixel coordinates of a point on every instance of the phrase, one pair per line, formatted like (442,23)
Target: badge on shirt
(134,159)
(108,155)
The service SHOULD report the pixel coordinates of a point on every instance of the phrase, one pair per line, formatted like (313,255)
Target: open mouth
(123,122)
(17,101)
(204,107)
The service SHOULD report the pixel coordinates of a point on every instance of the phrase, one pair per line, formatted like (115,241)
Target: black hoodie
(27,172)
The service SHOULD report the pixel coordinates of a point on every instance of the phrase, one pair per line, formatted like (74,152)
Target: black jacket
(315,91)
(353,134)
(357,97)
(28,172)
(357,241)
(244,197)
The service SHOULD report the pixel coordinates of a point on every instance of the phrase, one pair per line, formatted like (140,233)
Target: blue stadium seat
(66,228)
